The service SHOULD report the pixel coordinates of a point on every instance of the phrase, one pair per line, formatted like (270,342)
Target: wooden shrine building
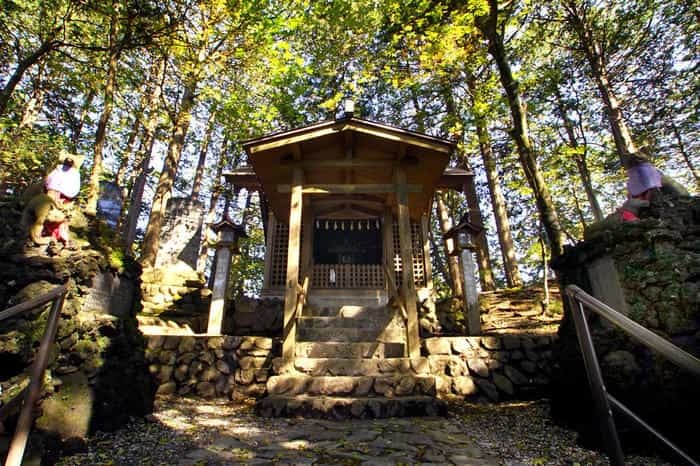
(347,206)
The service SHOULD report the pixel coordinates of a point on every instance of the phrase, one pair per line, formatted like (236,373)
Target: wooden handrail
(33,391)
(394,291)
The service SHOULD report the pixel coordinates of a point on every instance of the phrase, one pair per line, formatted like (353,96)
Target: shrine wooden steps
(350,363)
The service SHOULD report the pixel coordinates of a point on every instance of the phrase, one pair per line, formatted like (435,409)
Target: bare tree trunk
(576,16)
(483,257)
(78,128)
(452,261)
(151,241)
(35,103)
(93,192)
(22,67)
(216,192)
(505,239)
(129,149)
(686,156)
(545,273)
(437,259)
(142,160)
(489,28)
(580,159)
(203,149)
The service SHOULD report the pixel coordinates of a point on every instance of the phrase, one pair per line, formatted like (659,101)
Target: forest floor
(185,431)
(520,311)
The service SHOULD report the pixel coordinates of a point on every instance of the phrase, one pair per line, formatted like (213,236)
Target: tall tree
(505,239)
(489,26)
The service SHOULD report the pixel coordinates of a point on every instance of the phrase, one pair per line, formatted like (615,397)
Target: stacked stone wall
(648,270)
(490,368)
(222,366)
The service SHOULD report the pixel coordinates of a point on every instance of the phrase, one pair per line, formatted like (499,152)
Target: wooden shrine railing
(33,391)
(347,276)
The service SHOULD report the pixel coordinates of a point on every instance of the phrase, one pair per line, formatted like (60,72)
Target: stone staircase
(350,363)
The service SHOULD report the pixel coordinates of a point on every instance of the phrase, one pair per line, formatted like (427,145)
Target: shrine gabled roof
(355,153)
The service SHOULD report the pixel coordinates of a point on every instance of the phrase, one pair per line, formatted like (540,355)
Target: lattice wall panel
(280,243)
(418,259)
(278,269)
(347,276)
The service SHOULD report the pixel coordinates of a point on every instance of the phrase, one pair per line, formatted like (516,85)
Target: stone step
(337,408)
(370,323)
(348,311)
(357,335)
(317,349)
(366,385)
(356,367)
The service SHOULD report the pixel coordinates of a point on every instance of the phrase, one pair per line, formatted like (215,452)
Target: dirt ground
(521,311)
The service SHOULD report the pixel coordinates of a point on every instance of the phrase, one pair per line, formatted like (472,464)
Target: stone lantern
(464,247)
(227,235)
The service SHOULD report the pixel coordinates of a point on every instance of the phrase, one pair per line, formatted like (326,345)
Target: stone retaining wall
(222,366)
(490,368)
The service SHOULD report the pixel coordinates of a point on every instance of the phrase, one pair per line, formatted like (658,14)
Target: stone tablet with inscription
(180,233)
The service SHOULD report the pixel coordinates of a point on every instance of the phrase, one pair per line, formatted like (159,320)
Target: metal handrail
(36,379)
(603,400)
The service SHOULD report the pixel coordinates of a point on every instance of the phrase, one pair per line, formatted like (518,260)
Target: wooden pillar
(388,239)
(269,246)
(308,239)
(290,296)
(408,286)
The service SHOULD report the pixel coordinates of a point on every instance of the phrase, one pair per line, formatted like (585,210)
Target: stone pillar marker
(463,233)
(228,234)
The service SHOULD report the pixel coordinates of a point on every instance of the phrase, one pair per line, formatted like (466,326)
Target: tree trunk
(203,149)
(686,156)
(580,159)
(545,206)
(483,256)
(129,149)
(437,259)
(452,261)
(35,103)
(22,67)
(500,213)
(151,241)
(626,149)
(93,193)
(78,128)
(216,191)
(143,157)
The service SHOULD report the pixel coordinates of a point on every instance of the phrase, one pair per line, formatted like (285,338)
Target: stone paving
(352,442)
(197,432)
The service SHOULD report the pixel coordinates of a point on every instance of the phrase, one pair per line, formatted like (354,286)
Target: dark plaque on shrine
(347,241)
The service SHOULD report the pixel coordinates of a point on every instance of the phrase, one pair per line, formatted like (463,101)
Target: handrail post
(24,424)
(595,380)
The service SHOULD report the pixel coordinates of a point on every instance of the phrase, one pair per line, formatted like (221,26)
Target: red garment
(628,216)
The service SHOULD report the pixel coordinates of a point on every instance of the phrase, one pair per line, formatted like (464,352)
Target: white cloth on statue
(642,177)
(65,181)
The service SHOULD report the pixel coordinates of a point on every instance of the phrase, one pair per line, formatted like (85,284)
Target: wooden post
(290,296)
(408,286)
(388,239)
(269,246)
(308,239)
